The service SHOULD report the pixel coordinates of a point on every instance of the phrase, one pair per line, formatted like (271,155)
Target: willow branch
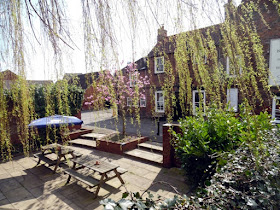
(31,25)
(48,26)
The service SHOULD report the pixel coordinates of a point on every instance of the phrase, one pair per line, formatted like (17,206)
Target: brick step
(93,136)
(83,142)
(77,133)
(153,147)
(144,155)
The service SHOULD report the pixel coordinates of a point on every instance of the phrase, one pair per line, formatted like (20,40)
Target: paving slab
(93,135)
(18,194)
(5,204)
(52,193)
(4,177)
(146,155)
(151,146)
(2,196)
(28,204)
(9,184)
(84,142)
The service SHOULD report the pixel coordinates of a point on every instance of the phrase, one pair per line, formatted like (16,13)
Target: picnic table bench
(59,150)
(107,171)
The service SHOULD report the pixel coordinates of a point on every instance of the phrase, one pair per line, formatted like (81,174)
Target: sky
(134,35)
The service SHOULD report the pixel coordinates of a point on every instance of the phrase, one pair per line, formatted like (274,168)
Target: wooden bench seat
(45,159)
(88,180)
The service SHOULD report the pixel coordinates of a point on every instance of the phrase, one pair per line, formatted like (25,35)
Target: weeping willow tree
(197,59)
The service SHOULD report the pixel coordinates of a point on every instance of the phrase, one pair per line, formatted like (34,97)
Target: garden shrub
(75,98)
(243,183)
(40,101)
(249,177)
(206,139)
(203,138)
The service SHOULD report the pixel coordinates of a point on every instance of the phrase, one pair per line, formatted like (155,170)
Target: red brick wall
(271,17)
(118,147)
(169,158)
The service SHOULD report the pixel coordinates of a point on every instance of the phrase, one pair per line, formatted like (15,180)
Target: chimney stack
(162,33)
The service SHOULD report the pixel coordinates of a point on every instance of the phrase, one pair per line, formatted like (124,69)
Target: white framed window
(142,102)
(198,100)
(230,67)
(274,62)
(276,109)
(159,64)
(159,100)
(132,79)
(232,99)
(129,101)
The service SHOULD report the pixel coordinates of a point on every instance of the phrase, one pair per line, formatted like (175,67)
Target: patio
(23,186)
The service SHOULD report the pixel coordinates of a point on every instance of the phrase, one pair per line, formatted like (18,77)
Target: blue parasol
(55,121)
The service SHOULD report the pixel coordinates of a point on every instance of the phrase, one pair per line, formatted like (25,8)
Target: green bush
(40,101)
(243,151)
(205,138)
(240,184)
(74,97)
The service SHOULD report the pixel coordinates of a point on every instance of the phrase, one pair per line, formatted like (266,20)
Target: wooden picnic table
(61,152)
(106,170)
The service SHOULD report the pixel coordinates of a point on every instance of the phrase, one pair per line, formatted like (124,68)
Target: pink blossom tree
(116,89)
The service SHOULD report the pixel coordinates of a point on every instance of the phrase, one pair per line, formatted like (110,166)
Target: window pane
(232,98)
(277,110)
(159,99)
(142,102)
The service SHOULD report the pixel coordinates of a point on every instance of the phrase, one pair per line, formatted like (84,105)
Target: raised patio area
(24,186)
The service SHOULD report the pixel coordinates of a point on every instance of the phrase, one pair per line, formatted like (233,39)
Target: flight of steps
(148,152)
(87,140)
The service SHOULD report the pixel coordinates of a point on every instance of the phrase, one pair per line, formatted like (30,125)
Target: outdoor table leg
(39,159)
(69,177)
(99,185)
(119,176)
(106,176)
(57,163)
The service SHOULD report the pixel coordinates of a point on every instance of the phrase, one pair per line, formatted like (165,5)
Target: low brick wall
(169,158)
(118,147)
(78,132)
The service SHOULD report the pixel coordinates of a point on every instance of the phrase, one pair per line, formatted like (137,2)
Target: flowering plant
(116,89)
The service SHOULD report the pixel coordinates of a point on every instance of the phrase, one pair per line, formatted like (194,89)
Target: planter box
(74,134)
(119,147)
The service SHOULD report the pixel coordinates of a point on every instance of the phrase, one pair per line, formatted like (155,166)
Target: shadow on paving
(38,188)
(147,127)
(170,182)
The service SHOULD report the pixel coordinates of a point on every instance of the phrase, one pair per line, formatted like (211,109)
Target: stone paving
(24,186)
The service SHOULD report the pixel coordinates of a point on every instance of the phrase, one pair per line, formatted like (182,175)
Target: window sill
(159,72)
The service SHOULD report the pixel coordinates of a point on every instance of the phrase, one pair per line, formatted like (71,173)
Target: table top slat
(90,162)
(53,147)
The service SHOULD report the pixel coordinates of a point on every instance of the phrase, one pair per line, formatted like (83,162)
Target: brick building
(207,54)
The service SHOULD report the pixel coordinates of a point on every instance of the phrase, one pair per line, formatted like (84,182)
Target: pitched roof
(9,75)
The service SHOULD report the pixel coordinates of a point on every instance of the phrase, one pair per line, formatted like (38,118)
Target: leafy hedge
(204,139)
(244,154)
(74,96)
